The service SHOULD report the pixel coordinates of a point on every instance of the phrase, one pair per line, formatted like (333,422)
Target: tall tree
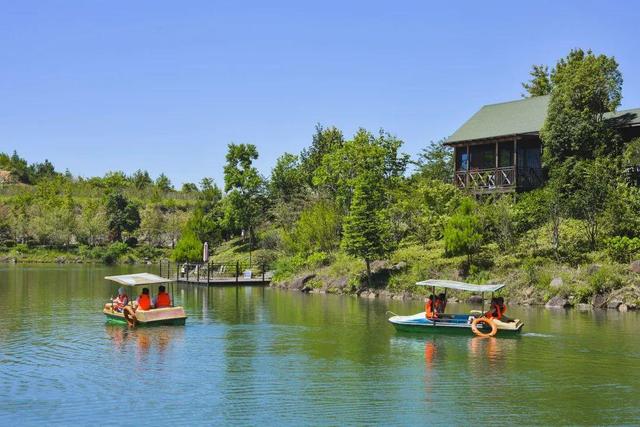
(325,141)
(366,228)
(286,178)
(122,215)
(540,82)
(243,185)
(585,87)
(141,179)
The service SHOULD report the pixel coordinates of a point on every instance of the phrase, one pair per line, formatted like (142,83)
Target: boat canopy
(461,286)
(138,279)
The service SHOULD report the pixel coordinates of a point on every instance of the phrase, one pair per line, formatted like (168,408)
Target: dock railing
(215,272)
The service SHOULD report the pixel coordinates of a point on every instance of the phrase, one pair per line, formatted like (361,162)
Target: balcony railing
(498,178)
(486,178)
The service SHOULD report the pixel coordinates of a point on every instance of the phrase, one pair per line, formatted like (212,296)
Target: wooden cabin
(499,148)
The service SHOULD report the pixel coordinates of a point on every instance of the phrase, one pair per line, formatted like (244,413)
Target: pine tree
(366,228)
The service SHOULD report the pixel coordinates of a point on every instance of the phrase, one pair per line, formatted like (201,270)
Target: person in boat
(497,310)
(118,303)
(163,299)
(144,300)
(440,303)
(430,307)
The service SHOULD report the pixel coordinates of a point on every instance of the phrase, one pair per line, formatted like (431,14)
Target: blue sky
(95,86)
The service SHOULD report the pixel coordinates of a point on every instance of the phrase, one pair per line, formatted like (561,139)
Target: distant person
(441,303)
(144,300)
(118,303)
(163,299)
(429,307)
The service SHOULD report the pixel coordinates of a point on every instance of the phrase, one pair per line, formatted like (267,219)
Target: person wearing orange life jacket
(497,310)
(144,300)
(429,308)
(440,303)
(163,299)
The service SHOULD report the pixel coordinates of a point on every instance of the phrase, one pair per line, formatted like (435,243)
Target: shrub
(317,259)
(607,278)
(622,248)
(114,252)
(148,252)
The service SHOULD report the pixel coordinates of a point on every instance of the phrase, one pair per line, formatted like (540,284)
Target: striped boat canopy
(461,286)
(138,279)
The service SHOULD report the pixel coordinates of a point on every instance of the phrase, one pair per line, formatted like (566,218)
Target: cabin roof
(524,116)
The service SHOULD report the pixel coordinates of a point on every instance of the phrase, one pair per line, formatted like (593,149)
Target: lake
(255,356)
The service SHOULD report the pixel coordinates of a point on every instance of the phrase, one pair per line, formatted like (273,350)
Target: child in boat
(429,308)
(120,301)
(162,299)
(144,300)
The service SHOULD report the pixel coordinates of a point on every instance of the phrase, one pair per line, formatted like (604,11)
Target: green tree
(462,234)
(152,225)
(287,179)
(540,82)
(325,141)
(163,183)
(141,179)
(92,222)
(585,87)
(189,187)
(317,229)
(243,186)
(122,215)
(366,228)
(436,162)
(188,249)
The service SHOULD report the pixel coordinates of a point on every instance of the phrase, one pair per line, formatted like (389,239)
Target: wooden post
(515,163)
(187,270)
(208,272)
(161,269)
(198,273)
(237,270)
(466,174)
(263,268)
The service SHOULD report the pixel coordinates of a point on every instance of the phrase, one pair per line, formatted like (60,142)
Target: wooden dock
(217,274)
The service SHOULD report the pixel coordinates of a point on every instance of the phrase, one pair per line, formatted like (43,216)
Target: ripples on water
(253,356)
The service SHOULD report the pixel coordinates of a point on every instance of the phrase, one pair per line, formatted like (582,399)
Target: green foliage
(540,82)
(366,227)
(243,185)
(163,183)
(189,187)
(585,87)
(436,162)
(462,234)
(325,141)
(114,252)
(287,179)
(317,229)
(141,179)
(622,248)
(189,248)
(122,215)
(621,217)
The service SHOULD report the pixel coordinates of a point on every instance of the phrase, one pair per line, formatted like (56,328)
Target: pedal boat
(174,315)
(455,323)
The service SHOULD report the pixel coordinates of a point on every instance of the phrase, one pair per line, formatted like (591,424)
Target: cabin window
(462,159)
(483,156)
(505,154)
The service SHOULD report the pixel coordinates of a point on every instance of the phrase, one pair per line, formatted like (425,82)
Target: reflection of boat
(456,322)
(174,315)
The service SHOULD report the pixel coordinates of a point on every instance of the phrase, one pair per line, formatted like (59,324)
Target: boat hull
(453,324)
(158,316)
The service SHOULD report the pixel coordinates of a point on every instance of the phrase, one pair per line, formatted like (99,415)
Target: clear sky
(107,85)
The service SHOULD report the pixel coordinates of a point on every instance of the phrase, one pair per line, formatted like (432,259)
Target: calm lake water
(256,356)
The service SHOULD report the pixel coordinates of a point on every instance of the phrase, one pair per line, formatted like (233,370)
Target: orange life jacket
(428,308)
(496,311)
(163,300)
(144,302)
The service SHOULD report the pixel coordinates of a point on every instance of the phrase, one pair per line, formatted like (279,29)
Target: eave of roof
(521,117)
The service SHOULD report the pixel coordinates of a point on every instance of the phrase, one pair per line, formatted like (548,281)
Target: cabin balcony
(501,179)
